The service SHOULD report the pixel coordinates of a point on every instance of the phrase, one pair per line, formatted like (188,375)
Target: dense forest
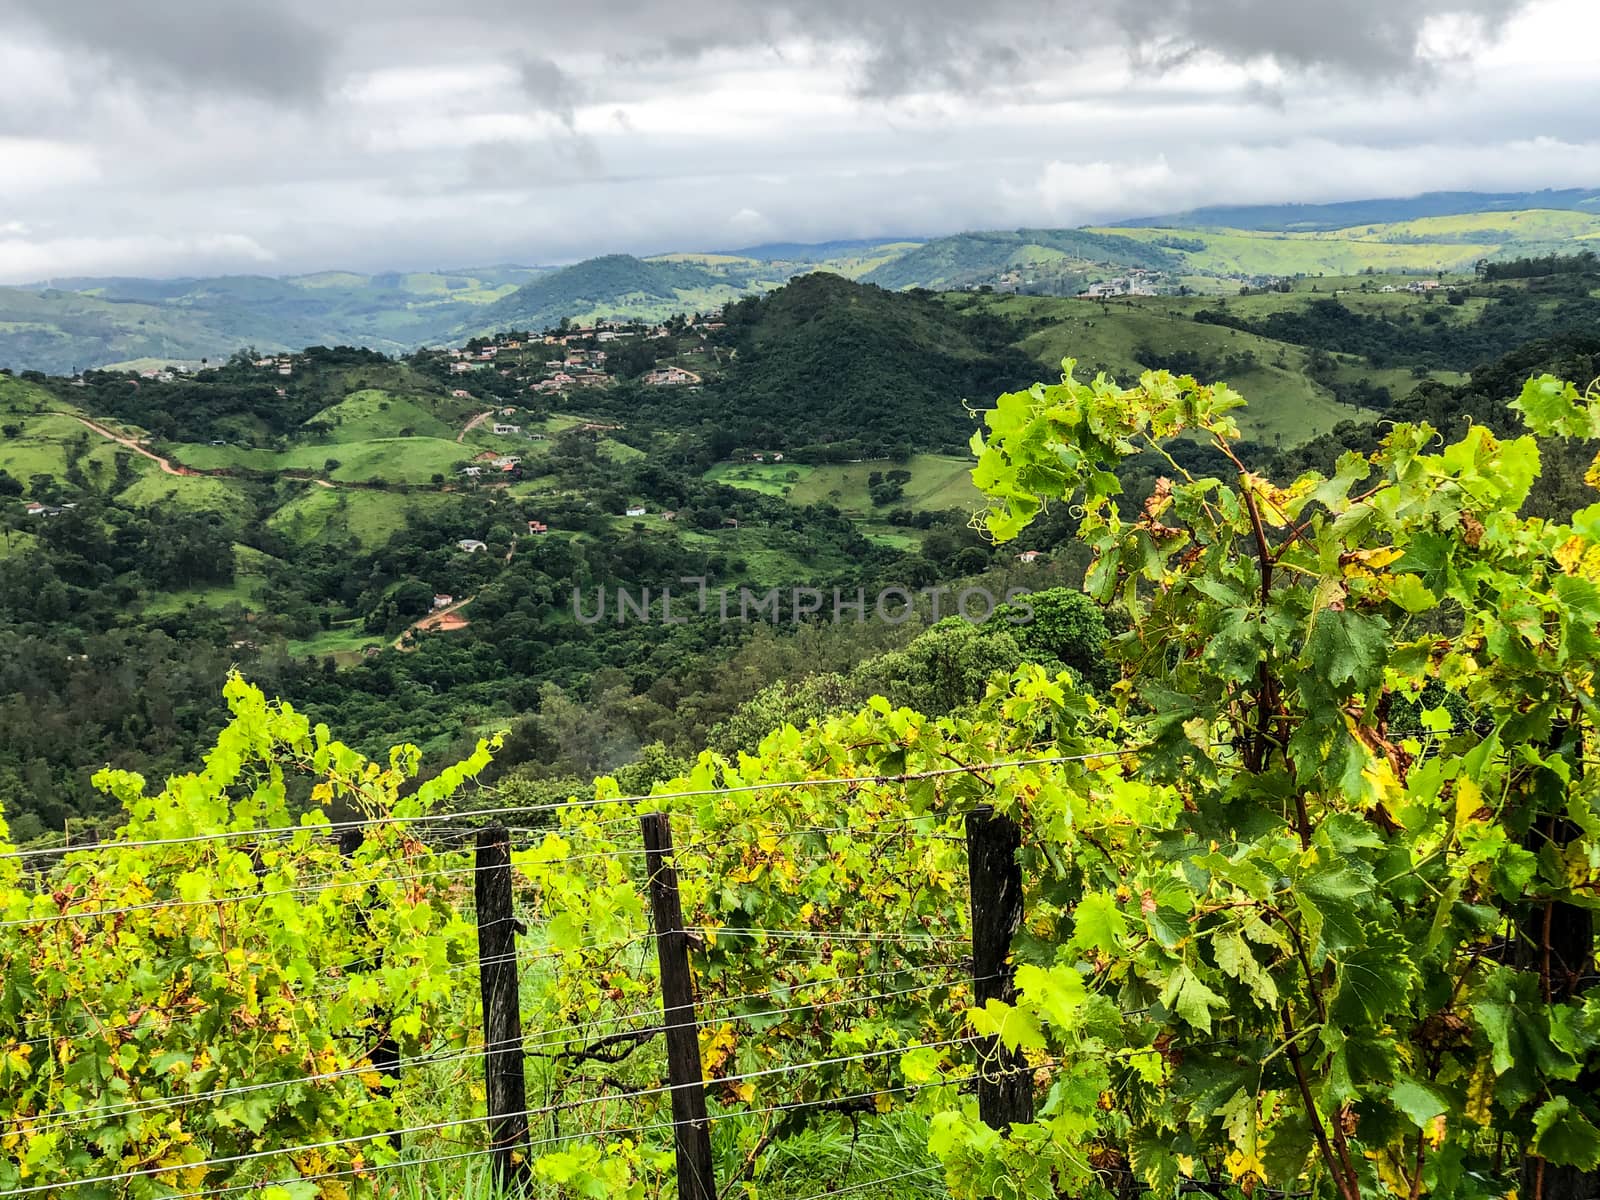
(122,611)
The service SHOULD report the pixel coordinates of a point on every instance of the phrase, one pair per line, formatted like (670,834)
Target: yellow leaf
(882,1102)
(715,1046)
(1469,799)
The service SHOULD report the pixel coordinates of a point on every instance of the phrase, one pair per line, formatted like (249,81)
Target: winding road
(166,464)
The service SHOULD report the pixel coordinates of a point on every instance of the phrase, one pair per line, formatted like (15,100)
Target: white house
(499,428)
(472,472)
(1028,556)
(635,510)
(440,600)
(472,545)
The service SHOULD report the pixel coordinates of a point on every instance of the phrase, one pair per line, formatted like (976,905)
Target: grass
(1285,405)
(1242,252)
(373,414)
(938,482)
(341,514)
(45,447)
(250,577)
(410,460)
(200,493)
(344,643)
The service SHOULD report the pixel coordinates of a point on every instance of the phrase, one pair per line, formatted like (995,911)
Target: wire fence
(888,969)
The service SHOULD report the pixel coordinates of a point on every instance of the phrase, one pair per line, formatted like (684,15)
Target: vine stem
(1266,685)
(1345,1183)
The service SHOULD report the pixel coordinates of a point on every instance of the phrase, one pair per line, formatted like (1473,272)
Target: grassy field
(250,577)
(338,514)
(45,443)
(1430,244)
(373,414)
(344,643)
(201,493)
(1285,405)
(937,482)
(380,460)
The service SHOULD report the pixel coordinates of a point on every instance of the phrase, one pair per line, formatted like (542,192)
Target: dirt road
(163,463)
(473,424)
(442,620)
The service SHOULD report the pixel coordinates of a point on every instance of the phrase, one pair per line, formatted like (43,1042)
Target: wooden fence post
(502,1008)
(1005,1086)
(385,1056)
(692,1128)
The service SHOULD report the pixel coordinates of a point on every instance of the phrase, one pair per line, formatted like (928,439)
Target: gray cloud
(246,47)
(168,136)
(552,89)
(1364,37)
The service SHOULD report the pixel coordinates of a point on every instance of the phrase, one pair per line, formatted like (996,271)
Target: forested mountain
(836,369)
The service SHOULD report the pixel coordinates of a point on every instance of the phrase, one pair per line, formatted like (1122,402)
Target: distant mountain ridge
(1348,213)
(74,324)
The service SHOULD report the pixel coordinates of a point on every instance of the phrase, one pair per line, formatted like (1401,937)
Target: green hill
(619,285)
(976,258)
(826,360)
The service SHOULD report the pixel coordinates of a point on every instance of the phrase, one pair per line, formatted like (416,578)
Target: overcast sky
(166,137)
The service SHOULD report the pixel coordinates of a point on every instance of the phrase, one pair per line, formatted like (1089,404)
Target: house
(1028,556)
(281,393)
(537,527)
(670,377)
(440,600)
(472,472)
(1388,287)
(506,461)
(778,457)
(472,545)
(36,509)
(285,368)
(635,510)
(669,516)
(461,394)
(731,522)
(461,368)
(218,442)
(508,411)
(499,428)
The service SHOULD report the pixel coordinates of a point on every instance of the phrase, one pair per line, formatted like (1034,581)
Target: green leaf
(1193,1000)
(1058,994)
(1417,1100)
(1098,923)
(1409,593)
(1235,958)
(1017,1028)
(1346,647)
(1565,1136)
(1374,980)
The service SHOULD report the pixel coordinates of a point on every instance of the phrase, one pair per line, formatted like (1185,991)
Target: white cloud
(33,167)
(24,260)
